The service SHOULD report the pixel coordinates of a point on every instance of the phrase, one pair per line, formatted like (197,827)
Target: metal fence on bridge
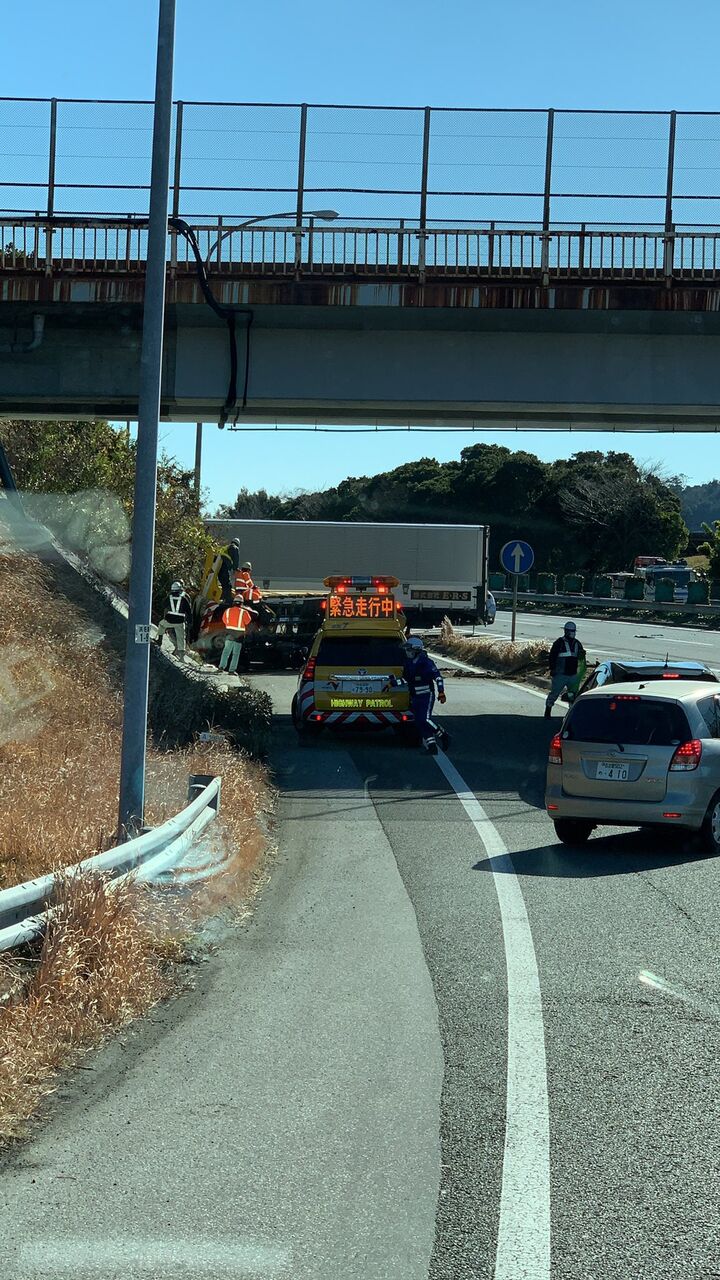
(71,247)
(403,167)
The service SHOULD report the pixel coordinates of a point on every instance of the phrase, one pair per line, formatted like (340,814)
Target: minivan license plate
(613,771)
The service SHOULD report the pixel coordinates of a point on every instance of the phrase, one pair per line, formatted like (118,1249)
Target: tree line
(589,513)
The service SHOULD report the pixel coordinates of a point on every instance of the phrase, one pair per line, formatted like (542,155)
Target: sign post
(516,557)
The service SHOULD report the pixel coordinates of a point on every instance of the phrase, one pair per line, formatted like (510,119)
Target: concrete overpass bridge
(428,319)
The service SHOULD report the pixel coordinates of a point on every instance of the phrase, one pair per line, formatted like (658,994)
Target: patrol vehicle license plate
(360,686)
(612,771)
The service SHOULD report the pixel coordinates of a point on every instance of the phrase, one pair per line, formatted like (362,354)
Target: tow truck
(347,680)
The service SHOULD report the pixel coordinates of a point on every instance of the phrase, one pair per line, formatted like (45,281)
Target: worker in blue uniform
(423,678)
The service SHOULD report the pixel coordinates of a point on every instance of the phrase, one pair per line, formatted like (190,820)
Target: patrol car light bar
(342,585)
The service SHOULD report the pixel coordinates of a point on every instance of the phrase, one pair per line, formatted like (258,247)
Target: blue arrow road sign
(517,557)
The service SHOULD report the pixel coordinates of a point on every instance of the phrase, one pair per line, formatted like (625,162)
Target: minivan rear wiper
(619,746)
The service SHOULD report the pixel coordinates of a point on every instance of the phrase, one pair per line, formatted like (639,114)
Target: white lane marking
(523,1244)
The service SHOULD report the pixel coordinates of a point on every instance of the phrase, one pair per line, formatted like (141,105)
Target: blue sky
(642,54)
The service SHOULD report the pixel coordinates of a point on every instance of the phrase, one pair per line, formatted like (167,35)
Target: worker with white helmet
(567,667)
(423,678)
(244,585)
(177,618)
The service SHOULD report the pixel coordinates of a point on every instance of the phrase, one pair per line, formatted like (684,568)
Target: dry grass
(524,656)
(106,954)
(103,962)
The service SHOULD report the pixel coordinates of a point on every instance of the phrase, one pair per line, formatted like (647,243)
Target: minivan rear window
(357,651)
(631,720)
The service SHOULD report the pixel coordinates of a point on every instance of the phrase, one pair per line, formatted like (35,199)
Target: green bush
(602,587)
(547,584)
(182,704)
(698,593)
(634,589)
(573,584)
(665,590)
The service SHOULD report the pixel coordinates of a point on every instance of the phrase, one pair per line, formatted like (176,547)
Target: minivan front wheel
(573,830)
(711,826)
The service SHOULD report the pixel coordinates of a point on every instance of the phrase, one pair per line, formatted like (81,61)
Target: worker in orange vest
(244,585)
(238,619)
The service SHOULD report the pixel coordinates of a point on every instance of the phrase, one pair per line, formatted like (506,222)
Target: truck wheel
(573,830)
(710,830)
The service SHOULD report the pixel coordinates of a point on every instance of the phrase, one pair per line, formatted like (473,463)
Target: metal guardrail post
(422,233)
(669,241)
(545,255)
(176,181)
(52,157)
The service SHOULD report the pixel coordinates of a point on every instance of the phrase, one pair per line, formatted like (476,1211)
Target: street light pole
(137,656)
(198,459)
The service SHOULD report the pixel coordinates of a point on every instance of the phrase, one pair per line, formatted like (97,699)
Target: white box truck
(441,568)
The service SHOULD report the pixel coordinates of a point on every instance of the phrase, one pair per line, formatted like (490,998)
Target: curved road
(410,1019)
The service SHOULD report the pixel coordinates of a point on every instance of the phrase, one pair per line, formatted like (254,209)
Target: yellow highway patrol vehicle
(347,681)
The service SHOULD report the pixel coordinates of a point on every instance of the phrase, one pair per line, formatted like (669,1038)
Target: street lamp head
(327,214)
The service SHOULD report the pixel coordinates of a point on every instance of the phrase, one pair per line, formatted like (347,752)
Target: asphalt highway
(446,1047)
(612,639)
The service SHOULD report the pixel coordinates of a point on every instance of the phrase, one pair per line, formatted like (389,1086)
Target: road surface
(330,1102)
(612,639)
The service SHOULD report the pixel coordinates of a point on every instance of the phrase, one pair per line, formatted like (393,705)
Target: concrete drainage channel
(24,907)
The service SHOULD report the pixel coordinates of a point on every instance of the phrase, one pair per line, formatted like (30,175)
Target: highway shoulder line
(480,671)
(523,1244)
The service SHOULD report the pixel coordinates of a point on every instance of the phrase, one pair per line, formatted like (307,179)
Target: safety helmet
(235,542)
(414,644)
(570,626)
(176,587)
(247,565)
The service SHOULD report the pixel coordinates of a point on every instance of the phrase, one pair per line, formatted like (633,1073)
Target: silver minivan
(638,755)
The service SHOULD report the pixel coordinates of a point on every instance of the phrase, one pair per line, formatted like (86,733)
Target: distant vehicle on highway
(622,670)
(644,562)
(648,756)
(681,574)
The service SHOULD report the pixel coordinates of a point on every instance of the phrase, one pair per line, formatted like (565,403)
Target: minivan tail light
(309,672)
(687,756)
(555,751)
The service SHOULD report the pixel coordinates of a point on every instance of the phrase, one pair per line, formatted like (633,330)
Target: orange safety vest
(236,618)
(245,586)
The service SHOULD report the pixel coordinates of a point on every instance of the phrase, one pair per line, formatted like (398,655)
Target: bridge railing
(69,247)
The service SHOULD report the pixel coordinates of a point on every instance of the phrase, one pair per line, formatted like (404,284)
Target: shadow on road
(604,855)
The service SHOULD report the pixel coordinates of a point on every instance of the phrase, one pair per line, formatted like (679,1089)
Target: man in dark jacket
(422,678)
(567,666)
(229,566)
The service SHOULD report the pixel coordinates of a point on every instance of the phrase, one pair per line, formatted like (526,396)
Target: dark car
(622,670)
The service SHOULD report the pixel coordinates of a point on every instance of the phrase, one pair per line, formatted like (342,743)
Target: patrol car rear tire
(304,728)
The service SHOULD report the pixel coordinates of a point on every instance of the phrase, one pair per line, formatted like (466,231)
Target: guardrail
(23,908)
(608,602)
(72,246)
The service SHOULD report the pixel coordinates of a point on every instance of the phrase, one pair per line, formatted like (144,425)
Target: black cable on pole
(7,478)
(228,315)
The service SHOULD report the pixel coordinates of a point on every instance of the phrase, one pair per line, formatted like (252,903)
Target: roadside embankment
(110,948)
